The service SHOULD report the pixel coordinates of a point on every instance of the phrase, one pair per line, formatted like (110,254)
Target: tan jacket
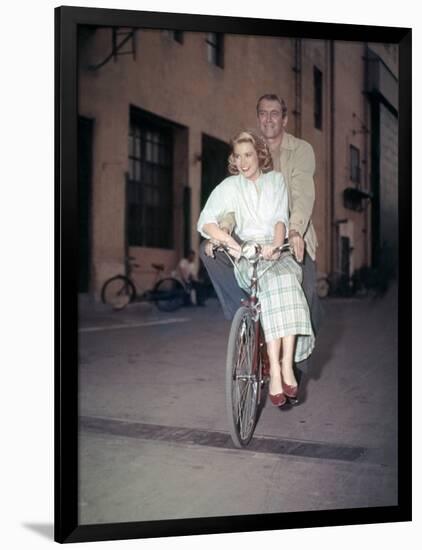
(295,159)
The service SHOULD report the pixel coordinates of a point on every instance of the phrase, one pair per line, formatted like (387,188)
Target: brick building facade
(156,116)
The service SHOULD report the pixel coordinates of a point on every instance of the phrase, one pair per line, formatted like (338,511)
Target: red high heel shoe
(279,399)
(290,391)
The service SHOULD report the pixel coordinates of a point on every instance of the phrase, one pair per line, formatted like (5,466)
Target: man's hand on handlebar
(298,245)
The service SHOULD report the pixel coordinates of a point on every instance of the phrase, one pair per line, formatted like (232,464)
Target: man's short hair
(273,97)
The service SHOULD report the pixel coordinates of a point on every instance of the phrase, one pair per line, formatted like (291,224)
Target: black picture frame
(67,20)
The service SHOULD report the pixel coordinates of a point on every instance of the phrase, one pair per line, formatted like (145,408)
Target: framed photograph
(168,420)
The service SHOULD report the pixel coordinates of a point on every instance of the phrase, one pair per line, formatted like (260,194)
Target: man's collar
(288,142)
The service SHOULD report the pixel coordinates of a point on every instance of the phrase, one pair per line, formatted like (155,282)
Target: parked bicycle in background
(167,293)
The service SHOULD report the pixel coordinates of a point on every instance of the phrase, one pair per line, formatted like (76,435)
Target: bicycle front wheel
(242,377)
(168,294)
(118,292)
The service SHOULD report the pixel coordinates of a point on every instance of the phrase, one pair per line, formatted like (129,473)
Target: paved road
(154,441)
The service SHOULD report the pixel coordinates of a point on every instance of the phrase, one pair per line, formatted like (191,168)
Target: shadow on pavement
(328,337)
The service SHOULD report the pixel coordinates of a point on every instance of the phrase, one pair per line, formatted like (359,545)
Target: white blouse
(257,206)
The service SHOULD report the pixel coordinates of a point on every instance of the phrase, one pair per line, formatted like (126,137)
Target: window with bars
(354,164)
(150,184)
(215,48)
(317,98)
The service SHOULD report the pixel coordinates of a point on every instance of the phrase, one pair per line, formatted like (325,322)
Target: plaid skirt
(284,309)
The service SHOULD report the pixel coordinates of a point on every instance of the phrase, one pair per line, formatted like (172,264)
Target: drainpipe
(333,225)
(366,153)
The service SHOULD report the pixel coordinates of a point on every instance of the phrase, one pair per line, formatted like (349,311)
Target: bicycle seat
(158,267)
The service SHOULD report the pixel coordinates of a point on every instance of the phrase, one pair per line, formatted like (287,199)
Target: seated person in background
(188,273)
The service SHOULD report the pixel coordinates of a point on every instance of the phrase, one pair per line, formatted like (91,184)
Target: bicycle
(247,363)
(168,293)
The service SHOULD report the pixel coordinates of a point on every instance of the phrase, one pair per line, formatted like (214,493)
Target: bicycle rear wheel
(168,294)
(118,292)
(242,377)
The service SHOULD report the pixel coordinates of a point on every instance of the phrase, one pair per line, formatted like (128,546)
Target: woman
(258,198)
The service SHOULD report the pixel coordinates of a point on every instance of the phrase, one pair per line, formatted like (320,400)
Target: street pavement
(154,440)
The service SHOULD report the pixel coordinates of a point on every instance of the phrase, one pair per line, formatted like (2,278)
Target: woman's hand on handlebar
(232,247)
(270,252)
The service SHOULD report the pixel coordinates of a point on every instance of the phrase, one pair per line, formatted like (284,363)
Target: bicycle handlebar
(251,250)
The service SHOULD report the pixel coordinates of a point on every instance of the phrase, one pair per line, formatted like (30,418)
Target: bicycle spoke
(241,400)
(239,418)
(243,413)
(245,417)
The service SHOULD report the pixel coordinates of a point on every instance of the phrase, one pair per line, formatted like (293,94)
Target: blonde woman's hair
(265,161)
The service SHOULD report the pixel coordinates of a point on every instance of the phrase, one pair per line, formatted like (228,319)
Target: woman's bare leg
(288,348)
(273,350)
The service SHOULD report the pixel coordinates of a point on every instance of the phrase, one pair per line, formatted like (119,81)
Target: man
(295,159)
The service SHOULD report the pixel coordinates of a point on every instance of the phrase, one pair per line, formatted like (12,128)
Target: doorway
(214,165)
